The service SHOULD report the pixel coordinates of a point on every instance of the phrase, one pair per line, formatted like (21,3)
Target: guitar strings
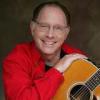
(94,81)
(75,98)
(82,89)
(81,92)
(97,81)
(72,97)
(85,94)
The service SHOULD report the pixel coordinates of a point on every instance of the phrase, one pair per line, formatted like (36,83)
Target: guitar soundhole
(80,92)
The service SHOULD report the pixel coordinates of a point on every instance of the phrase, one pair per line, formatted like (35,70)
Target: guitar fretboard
(94,81)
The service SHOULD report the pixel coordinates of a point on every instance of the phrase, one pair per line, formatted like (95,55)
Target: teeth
(49,43)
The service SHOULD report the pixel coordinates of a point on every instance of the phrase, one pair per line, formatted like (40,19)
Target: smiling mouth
(48,43)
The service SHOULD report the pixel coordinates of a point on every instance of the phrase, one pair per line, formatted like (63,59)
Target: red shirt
(24,75)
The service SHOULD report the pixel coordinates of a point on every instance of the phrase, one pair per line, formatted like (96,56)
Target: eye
(43,25)
(58,27)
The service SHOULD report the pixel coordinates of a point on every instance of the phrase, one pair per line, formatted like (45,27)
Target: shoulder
(19,58)
(20,51)
(23,46)
(70,49)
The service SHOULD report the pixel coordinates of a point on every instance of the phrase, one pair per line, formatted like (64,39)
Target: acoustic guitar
(81,82)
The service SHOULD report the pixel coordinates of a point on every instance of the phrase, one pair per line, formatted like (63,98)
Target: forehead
(53,13)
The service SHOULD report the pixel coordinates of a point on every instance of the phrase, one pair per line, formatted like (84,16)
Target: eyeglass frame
(45,27)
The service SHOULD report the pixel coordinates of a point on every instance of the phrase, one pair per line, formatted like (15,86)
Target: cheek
(62,37)
(37,35)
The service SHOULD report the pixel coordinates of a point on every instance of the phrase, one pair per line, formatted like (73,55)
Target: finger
(80,56)
(76,55)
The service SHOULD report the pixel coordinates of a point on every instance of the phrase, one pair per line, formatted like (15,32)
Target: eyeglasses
(46,27)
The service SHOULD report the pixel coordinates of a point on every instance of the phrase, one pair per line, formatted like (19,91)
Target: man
(34,71)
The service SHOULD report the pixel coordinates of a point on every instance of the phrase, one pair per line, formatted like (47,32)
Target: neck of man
(52,59)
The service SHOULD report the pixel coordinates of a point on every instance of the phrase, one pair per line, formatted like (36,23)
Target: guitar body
(75,76)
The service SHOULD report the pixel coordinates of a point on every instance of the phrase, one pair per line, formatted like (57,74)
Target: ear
(68,29)
(67,32)
(32,27)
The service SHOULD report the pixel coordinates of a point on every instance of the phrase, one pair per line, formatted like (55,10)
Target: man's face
(50,30)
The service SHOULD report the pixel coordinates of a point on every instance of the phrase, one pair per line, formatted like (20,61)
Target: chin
(48,52)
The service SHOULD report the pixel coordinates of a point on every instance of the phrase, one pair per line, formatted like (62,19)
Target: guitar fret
(91,84)
(93,81)
(97,80)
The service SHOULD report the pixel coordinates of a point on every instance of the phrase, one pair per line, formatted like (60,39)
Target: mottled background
(15,16)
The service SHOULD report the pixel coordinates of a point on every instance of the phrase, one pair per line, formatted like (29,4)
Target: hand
(65,62)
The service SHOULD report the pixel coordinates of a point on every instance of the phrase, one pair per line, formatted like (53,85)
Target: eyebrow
(49,24)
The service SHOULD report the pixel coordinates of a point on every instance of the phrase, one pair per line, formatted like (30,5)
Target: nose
(50,33)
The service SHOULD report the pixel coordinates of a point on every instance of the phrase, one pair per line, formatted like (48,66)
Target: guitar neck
(93,81)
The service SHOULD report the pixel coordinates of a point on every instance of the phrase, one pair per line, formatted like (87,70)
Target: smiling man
(34,70)
(49,32)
